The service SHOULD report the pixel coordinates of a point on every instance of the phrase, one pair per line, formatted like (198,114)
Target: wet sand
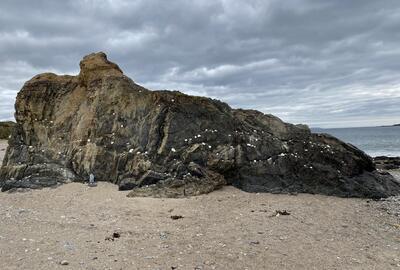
(226,229)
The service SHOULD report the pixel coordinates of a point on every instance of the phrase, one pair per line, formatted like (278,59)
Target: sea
(375,141)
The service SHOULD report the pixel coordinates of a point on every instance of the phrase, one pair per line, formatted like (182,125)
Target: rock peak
(96,65)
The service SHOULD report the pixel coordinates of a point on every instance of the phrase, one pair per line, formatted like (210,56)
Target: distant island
(395,125)
(5,129)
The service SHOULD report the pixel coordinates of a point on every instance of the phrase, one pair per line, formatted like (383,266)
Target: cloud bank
(323,63)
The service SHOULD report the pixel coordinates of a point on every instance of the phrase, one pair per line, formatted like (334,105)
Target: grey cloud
(324,63)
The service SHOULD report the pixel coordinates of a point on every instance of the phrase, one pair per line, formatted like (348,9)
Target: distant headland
(395,125)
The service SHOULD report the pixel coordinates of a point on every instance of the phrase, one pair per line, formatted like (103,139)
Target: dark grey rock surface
(387,163)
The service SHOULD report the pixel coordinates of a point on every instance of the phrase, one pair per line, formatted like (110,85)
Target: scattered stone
(109,238)
(69,246)
(397,226)
(281,213)
(176,217)
(163,235)
(390,205)
(64,262)
(114,236)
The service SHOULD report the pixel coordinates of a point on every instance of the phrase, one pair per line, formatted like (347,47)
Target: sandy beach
(100,228)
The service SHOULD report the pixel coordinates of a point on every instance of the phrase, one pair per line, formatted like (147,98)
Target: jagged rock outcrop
(387,163)
(168,144)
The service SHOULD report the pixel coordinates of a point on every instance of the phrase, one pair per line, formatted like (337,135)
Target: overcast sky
(323,63)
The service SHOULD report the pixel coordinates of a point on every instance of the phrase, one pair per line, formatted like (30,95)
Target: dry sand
(227,229)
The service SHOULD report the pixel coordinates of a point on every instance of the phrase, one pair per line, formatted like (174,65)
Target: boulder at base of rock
(168,144)
(387,163)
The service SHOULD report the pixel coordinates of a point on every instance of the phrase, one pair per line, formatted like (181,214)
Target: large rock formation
(162,143)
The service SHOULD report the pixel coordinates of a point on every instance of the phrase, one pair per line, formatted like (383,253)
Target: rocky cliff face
(168,144)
